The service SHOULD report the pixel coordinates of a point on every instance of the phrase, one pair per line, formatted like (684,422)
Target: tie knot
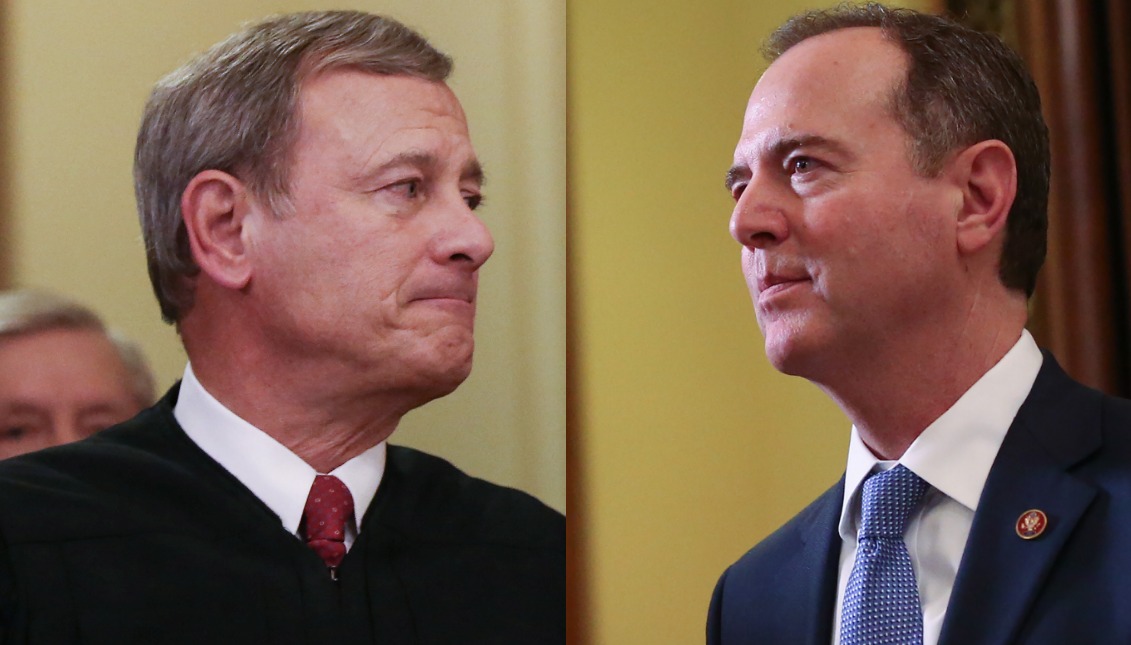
(889,498)
(328,507)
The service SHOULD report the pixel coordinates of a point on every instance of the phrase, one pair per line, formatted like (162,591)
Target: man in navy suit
(890,190)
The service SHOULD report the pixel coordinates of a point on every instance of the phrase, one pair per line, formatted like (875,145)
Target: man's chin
(447,374)
(788,354)
(450,379)
(431,384)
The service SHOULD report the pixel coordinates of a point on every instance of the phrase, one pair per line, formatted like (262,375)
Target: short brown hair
(963,86)
(233,108)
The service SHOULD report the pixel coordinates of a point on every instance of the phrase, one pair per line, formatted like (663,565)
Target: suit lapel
(1001,574)
(816,587)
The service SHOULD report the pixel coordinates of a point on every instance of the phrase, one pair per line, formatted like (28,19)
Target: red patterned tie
(328,507)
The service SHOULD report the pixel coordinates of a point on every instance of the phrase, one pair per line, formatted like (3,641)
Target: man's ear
(987,172)
(215,207)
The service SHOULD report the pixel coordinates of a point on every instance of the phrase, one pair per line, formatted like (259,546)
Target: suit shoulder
(145,469)
(817,521)
(125,450)
(785,586)
(427,496)
(1100,423)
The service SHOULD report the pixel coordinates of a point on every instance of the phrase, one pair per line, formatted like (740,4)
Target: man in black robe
(307,190)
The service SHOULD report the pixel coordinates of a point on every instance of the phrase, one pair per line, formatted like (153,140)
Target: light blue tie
(881,601)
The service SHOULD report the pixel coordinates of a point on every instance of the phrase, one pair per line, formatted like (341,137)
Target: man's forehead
(855,60)
(357,95)
(819,87)
(862,44)
(378,120)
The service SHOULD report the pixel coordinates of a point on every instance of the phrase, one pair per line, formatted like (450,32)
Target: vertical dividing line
(6,246)
(577,579)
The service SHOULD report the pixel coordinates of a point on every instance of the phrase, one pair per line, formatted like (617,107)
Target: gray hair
(142,384)
(233,108)
(28,311)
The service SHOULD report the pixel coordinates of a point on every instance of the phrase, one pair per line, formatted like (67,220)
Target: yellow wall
(694,447)
(80,73)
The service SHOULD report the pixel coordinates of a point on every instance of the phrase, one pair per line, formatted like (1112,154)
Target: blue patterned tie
(881,601)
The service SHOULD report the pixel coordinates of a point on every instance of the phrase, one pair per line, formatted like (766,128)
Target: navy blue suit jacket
(1068,453)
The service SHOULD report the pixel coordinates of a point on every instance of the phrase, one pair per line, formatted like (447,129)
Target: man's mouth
(772,285)
(451,295)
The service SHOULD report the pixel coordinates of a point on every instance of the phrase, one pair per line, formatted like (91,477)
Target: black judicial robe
(137,536)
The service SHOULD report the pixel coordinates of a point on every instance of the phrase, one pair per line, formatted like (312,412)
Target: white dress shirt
(953,455)
(274,474)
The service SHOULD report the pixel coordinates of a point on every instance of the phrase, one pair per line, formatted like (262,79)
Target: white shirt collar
(274,474)
(970,433)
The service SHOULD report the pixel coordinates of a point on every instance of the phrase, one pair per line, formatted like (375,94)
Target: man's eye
(737,190)
(411,188)
(800,165)
(473,201)
(13,433)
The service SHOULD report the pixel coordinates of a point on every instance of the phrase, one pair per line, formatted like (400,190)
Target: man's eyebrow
(21,406)
(413,158)
(473,171)
(427,161)
(736,174)
(780,148)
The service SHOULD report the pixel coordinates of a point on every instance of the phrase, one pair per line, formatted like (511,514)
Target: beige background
(694,448)
(78,75)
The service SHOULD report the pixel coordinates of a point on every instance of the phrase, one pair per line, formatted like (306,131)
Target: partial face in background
(58,386)
(374,273)
(844,243)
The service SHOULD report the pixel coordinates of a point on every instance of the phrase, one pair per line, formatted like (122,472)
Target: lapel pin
(1031,524)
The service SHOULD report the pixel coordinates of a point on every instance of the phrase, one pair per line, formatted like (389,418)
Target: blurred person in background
(63,374)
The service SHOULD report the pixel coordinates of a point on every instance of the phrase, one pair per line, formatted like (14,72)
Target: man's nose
(65,430)
(465,240)
(759,218)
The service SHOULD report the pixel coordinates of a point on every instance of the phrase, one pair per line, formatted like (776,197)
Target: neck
(894,394)
(322,410)
(325,431)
